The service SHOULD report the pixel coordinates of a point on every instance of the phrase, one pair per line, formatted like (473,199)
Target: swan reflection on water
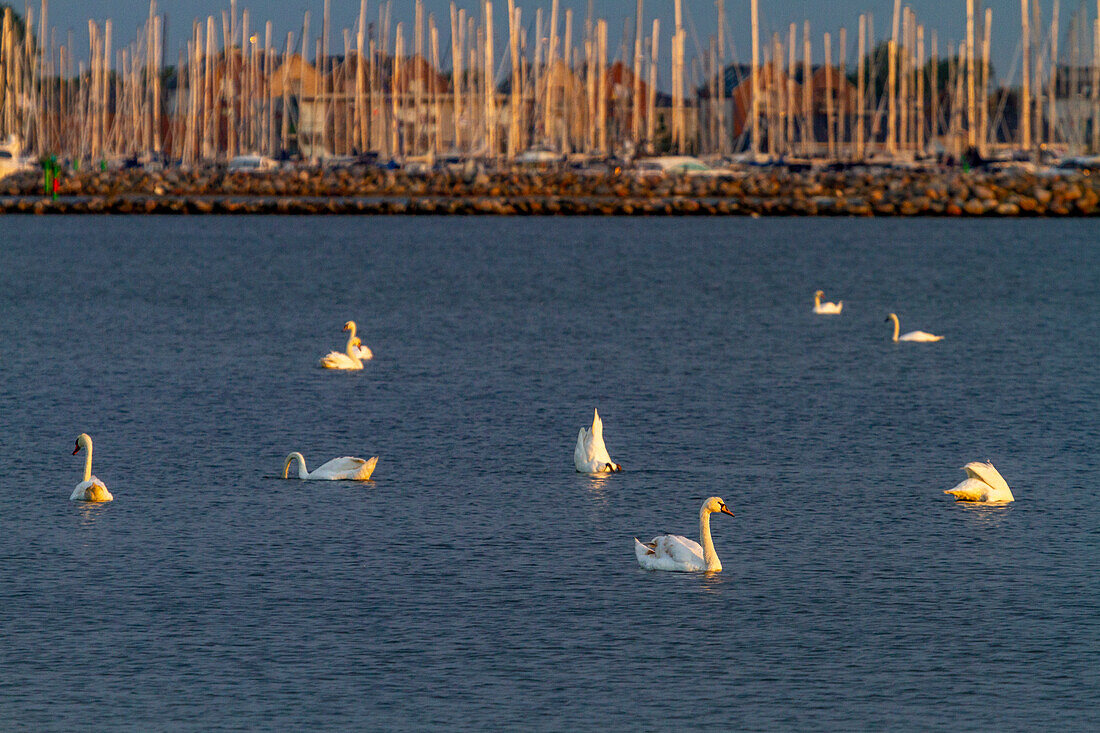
(598,483)
(991,513)
(89,513)
(714,582)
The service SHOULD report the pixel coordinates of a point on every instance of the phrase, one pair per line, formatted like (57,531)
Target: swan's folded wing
(971,489)
(339,360)
(580,453)
(678,548)
(987,473)
(344,467)
(91,490)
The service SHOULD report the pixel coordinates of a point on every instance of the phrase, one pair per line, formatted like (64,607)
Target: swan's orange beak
(76,449)
(725,510)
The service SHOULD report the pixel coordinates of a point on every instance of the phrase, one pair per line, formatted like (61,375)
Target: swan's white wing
(679,548)
(971,489)
(920,336)
(580,453)
(345,468)
(340,360)
(364,353)
(91,490)
(670,552)
(987,473)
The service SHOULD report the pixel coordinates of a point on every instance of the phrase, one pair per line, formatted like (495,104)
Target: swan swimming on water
(984,483)
(363,352)
(677,553)
(912,335)
(347,359)
(590,455)
(91,488)
(826,309)
(338,469)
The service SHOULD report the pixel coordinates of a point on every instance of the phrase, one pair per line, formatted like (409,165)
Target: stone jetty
(856,191)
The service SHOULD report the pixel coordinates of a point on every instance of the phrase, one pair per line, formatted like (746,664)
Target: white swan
(912,335)
(363,352)
(983,483)
(590,455)
(347,359)
(338,469)
(677,553)
(91,488)
(826,309)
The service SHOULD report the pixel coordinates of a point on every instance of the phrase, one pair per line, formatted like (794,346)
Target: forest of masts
(236,89)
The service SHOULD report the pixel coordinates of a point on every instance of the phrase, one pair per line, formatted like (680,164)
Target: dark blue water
(479,582)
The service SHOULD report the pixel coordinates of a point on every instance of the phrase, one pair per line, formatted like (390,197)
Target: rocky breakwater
(754,191)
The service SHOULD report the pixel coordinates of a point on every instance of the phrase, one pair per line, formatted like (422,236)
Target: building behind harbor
(400,93)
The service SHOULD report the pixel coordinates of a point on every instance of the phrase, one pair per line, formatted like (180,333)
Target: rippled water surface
(478,582)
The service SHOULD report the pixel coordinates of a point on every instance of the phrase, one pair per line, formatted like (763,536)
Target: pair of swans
(91,488)
(590,455)
(984,484)
(666,552)
(354,353)
(346,468)
(826,309)
(834,309)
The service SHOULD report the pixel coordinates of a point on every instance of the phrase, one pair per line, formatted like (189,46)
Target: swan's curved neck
(351,342)
(817,300)
(897,326)
(302,472)
(88,461)
(710,557)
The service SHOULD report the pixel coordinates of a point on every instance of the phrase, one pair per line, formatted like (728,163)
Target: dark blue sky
(947,16)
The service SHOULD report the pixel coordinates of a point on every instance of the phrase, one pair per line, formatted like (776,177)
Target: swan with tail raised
(983,483)
(826,309)
(912,335)
(346,468)
(347,359)
(679,554)
(91,488)
(590,455)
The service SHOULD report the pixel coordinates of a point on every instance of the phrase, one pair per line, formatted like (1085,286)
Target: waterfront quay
(776,191)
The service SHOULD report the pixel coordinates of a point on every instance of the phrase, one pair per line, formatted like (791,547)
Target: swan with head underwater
(346,468)
(590,455)
(912,335)
(826,309)
(679,554)
(983,483)
(351,357)
(91,488)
